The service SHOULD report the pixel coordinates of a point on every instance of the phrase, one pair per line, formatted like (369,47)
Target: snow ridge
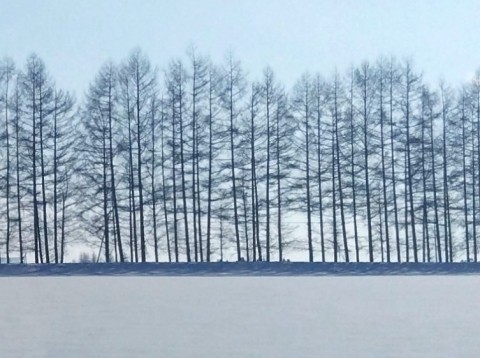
(240,269)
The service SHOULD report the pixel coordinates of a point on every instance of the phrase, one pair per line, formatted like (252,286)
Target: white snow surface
(362,316)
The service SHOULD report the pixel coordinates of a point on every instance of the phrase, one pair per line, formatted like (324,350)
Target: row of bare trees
(38,133)
(195,163)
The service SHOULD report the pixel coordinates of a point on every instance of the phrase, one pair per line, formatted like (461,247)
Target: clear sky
(75,37)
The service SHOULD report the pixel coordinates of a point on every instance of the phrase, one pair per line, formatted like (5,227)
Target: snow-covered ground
(360,316)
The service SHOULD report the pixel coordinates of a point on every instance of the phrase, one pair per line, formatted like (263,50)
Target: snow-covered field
(362,316)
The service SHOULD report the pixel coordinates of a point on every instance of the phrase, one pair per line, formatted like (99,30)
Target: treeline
(196,163)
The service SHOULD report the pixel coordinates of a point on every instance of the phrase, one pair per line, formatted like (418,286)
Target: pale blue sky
(75,37)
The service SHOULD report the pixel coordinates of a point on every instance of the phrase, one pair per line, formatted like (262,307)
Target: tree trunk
(394,184)
(232,159)
(210,168)
(44,194)
(182,169)
(17,162)
(367,181)
(319,164)
(267,190)
(164,191)
(36,219)
(105,198)
(55,218)
(133,218)
(174,179)
(474,198)
(307,169)
(464,170)
(154,198)
(245,219)
(334,197)
(342,212)
(279,194)
(354,187)
(384,174)
(410,175)
(139,171)
(7,139)
(445,183)
(112,175)
(435,199)
(62,243)
(426,236)
(405,179)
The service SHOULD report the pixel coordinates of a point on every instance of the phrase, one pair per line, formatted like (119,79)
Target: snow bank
(241,269)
